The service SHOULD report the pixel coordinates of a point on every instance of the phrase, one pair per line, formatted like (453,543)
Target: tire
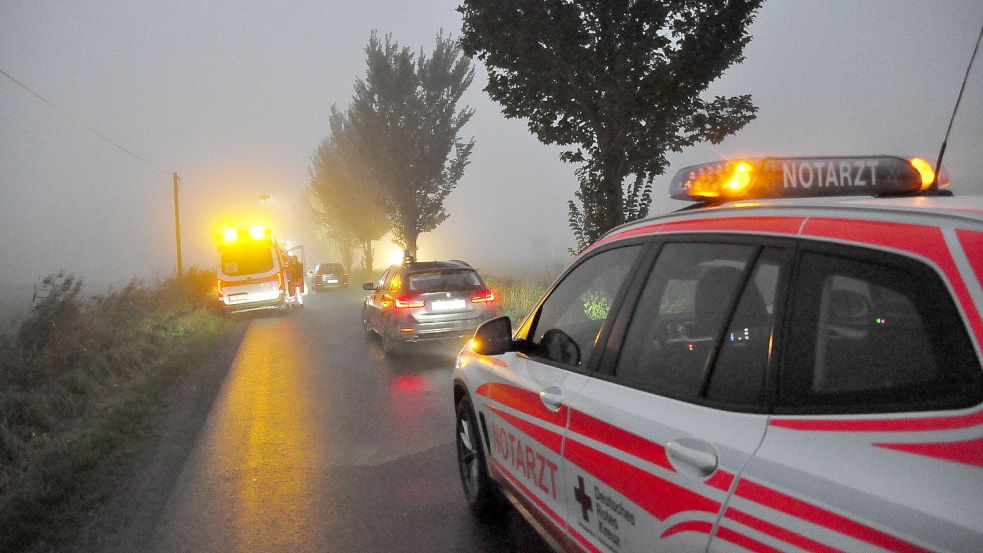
(391,347)
(484,498)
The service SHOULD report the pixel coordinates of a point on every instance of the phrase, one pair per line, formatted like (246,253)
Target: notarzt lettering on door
(524,459)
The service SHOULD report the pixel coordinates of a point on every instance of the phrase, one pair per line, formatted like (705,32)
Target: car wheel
(390,345)
(484,498)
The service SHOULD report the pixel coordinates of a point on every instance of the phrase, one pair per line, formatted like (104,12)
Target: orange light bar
(722,180)
(925,171)
(257,232)
(230,235)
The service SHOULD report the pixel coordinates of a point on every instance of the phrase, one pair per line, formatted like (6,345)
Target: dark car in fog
(329,275)
(425,301)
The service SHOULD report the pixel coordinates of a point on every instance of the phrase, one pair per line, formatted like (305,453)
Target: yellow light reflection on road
(263,442)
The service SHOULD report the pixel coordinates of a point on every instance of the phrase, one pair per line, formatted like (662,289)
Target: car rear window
(437,281)
(247,261)
(332,268)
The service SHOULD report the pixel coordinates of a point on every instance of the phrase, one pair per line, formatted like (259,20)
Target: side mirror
(368,286)
(493,337)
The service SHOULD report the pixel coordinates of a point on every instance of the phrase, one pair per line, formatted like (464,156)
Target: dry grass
(78,380)
(516,297)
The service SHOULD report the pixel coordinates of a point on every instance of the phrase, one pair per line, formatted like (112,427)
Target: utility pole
(177,224)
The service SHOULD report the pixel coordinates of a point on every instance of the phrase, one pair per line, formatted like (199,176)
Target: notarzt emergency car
(760,374)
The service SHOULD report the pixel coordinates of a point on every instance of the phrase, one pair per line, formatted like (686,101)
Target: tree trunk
(348,254)
(411,243)
(367,255)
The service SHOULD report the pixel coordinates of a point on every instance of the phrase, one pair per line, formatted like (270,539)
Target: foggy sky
(235,98)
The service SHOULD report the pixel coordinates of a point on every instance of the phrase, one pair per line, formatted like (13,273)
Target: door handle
(698,457)
(552,398)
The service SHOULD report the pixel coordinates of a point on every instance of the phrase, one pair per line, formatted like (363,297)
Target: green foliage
(596,305)
(619,82)
(344,197)
(67,375)
(516,298)
(405,127)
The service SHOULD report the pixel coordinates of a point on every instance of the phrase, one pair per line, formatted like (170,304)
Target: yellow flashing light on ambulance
(787,177)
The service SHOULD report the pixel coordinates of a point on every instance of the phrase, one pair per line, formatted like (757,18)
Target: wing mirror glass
(368,286)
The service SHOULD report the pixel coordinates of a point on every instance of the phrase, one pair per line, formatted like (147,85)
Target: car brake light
(218,285)
(484,296)
(410,303)
(279,281)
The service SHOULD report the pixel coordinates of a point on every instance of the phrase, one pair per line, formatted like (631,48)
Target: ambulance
(252,273)
(793,364)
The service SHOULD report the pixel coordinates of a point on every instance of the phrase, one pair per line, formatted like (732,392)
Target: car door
(657,438)
(523,402)
(377,301)
(877,440)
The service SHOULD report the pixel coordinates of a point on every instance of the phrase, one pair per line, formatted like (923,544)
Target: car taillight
(483,296)
(218,286)
(409,303)
(279,281)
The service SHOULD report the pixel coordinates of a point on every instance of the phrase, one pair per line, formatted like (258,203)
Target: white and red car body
(905,481)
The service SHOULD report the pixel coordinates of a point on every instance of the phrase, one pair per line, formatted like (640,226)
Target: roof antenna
(938,164)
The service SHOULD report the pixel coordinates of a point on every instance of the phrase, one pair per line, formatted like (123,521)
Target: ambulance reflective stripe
(524,401)
(910,424)
(969,452)
(725,534)
(813,514)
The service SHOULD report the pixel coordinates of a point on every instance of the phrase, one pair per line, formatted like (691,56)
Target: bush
(516,298)
(68,362)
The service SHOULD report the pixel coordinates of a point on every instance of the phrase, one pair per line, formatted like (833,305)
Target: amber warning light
(785,177)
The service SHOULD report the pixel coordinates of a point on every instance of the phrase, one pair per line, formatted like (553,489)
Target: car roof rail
(462,262)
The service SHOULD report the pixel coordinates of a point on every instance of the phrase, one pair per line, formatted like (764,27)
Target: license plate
(332,281)
(447,305)
(238,298)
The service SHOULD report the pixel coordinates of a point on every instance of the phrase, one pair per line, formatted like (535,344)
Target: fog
(235,98)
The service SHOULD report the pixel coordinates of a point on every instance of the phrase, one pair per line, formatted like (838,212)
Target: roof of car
(422,265)
(952,209)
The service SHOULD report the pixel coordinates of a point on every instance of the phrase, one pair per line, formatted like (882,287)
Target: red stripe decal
(725,534)
(523,400)
(972,243)
(700,526)
(655,495)
(548,438)
(920,424)
(920,239)
(519,486)
(787,536)
(720,480)
(821,517)
(969,452)
(583,541)
(613,436)
(741,540)
(780,225)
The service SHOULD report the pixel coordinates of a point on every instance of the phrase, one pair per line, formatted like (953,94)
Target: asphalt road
(317,442)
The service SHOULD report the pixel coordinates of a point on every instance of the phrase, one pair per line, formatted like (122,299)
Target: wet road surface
(316,442)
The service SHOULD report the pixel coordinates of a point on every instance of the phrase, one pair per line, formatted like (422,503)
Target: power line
(79,121)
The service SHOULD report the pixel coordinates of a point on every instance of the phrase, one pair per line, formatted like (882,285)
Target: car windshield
(247,261)
(438,281)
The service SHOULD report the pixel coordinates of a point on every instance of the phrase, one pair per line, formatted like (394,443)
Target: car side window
(867,335)
(740,369)
(571,318)
(680,316)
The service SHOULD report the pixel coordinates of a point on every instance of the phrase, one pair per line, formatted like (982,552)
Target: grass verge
(81,379)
